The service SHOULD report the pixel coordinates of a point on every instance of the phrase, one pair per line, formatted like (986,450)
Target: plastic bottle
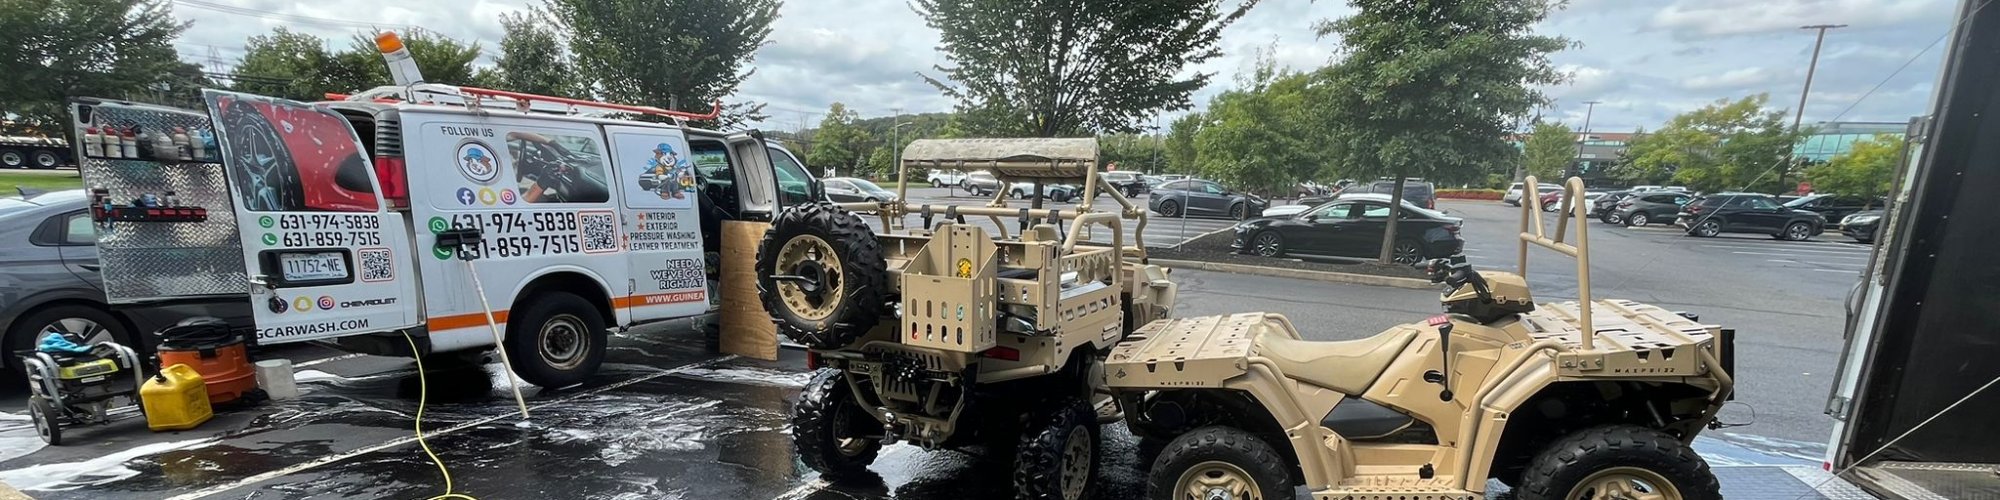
(131,144)
(114,142)
(199,139)
(181,143)
(163,146)
(93,144)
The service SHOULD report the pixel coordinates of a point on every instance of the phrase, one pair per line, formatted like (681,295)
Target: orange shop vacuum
(215,351)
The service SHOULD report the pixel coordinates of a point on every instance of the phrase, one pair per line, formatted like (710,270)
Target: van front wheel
(557,340)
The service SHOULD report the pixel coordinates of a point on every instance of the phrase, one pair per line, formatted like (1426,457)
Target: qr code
(600,231)
(376,264)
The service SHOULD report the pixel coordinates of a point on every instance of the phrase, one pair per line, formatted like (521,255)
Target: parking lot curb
(1306,274)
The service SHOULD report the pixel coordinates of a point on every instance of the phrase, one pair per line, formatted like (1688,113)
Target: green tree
(288,64)
(1259,138)
(295,65)
(1132,152)
(1433,87)
(837,143)
(1071,68)
(882,163)
(60,48)
(440,58)
(1179,143)
(1864,170)
(1549,150)
(532,58)
(1724,146)
(667,53)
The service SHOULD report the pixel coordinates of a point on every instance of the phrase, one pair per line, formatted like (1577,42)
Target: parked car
(1200,197)
(1172,177)
(1513,196)
(49,281)
(980,182)
(1646,208)
(1863,226)
(1604,208)
(1130,183)
(1060,193)
(1352,227)
(1649,187)
(1419,192)
(945,178)
(1713,215)
(850,189)
(1834,207)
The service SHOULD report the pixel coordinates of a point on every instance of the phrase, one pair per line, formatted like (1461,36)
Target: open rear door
(324,255)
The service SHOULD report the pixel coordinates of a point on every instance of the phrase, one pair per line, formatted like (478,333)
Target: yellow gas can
(176,399)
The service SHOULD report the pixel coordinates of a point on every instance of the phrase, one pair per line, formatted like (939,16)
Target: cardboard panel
(747,329)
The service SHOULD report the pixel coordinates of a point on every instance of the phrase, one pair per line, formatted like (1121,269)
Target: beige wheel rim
(1625,483)
(1217,480)
(811,287)
(1076,463)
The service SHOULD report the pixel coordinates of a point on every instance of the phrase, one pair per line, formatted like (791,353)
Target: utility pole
(1799,115)
(1811,68)
(1587,112)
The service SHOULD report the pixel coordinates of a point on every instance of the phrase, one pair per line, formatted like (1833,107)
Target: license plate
(314,266)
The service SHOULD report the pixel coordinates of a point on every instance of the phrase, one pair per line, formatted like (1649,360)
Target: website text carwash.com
(279,332)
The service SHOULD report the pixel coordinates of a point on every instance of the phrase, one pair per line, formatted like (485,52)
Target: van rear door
(324,255)
(665,222)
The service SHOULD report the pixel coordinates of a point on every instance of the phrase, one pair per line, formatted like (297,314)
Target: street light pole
(1811,68)
(1587,112)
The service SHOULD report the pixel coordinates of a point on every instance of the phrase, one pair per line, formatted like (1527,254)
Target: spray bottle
(93,144)
(130,142)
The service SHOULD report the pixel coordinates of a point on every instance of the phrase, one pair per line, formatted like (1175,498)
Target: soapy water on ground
(104,469)
(750,375)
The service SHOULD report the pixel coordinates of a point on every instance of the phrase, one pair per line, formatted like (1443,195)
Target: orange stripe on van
(659,299)
(442,323)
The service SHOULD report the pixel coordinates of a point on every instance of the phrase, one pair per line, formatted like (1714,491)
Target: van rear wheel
(557,340)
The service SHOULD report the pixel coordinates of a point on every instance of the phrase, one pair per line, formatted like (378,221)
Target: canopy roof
(1028,158)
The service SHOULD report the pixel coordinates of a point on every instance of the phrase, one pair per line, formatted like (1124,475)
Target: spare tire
(821,275)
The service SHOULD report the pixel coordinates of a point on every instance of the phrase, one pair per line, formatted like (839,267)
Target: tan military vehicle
(1497,387)
(948,335)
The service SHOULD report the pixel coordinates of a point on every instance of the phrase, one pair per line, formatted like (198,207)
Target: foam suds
(93,472)
(750,375)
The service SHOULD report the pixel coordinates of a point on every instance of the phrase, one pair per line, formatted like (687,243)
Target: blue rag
(60,344)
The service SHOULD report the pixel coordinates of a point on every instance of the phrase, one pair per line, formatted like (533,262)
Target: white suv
(945,178)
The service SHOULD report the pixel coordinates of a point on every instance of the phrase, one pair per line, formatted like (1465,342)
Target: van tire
(556,340)
(821,276)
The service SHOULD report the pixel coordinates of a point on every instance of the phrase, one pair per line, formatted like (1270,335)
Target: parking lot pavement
(1784,298)
(666,418)
(1160,231)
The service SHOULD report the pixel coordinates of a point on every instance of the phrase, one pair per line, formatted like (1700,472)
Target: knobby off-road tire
(821,275)
(1579,465)
(1219,458)
(826,425)
(1057,456)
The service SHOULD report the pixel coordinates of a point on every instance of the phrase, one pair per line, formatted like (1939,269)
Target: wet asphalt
(669,418)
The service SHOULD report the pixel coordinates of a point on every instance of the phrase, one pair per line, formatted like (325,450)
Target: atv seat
(1348,366)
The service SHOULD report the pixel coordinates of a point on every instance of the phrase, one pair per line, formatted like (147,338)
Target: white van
(365,218)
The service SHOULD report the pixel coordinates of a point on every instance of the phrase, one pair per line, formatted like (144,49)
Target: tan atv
(944,335)
(1497,387)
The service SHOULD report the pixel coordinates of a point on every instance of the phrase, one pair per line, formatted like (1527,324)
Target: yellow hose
(423,391)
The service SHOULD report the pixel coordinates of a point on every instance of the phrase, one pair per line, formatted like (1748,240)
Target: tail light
(1452,228)
(1694,209)
(812,360)
(1625,204)
(392,173)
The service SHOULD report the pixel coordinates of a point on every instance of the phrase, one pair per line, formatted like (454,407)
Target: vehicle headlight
(1860,219)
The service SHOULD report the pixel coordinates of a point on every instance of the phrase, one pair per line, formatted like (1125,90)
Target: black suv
(1835,207)
(1415,191)
(1646,208)
(1748,213)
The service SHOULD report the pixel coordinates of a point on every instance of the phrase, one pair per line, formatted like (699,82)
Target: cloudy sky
(1644,59)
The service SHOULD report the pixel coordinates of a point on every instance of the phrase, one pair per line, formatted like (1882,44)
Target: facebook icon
(465,196)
